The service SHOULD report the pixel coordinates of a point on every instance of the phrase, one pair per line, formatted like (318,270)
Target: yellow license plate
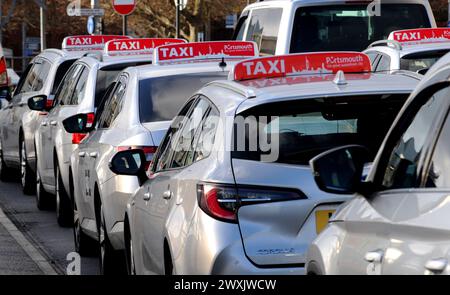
(322,217)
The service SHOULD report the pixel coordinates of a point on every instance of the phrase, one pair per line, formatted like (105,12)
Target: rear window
(263,29)
(350,27)
(420,61)
(161,98)
(300,130)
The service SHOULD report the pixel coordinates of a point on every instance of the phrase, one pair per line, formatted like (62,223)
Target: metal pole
(125,25)
(95,4)
(43,20)
(177,21)
(24,36)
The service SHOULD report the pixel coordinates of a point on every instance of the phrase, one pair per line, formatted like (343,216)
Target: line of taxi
(170,157)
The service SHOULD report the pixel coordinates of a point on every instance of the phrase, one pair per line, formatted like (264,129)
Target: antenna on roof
(340,78)
(223,64)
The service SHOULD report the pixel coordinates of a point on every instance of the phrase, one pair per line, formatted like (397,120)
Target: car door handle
(436,265)
(53,123)
(45,123)
(93,155)
(374,256)
(82,154)
(147,196)
(167,195)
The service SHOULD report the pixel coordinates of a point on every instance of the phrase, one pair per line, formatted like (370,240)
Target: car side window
(65,89)
(373,58)
(31,77)
(166,148)
(80,88)
(402,169)
(204,142)
(384,64)
(113,106)
(263,29)
(438,175)
(42,74)
(185,142)
(23,78)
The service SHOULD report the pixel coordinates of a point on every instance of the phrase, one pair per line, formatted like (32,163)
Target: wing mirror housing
(340,170)
(38,103)
(79,123)
(129,162)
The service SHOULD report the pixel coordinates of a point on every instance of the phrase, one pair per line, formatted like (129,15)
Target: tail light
(149,151)
(3,72)
(78,137)
(223,201)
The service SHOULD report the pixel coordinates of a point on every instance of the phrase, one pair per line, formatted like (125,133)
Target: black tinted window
(402,169)
(113,106)
(349,27)
(302,129)
(60,72)
(419,61)
(161,98)
(263,29)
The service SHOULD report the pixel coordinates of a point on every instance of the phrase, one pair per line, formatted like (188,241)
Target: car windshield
(303,129)
(350,27)
(161,98)
(420,61)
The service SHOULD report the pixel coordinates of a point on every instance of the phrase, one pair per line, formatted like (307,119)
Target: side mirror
(340,170)
(129,162)
(5,93)
(79,123)
(37,103)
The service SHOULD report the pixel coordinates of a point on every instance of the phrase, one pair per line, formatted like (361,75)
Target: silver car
(18,123)
(80,91)
(407,53)
(398,221)
(230,190)
(136,115)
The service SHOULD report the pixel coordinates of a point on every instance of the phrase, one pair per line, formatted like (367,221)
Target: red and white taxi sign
(205,50)
(301,64)
(3,72)
(88,42)
(133,47)
(435,35)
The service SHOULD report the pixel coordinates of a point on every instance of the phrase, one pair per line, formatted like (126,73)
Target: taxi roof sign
(205,50)
(421,36)
(317,63)
(88,42)
(138,46)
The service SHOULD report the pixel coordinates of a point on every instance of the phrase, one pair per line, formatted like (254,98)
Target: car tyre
(27,176)
(112,262)
(64,210)
(129,250)
(84,245)
(5,171)
(44,200)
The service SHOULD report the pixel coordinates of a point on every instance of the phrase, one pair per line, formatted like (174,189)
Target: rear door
(420,230)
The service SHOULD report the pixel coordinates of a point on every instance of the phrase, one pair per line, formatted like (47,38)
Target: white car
(398,221)
(411,50)
(230,190)
(136,115)
(290,26)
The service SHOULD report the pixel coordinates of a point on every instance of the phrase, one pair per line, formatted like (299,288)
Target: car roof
(318,2)
(263,91)
(409,49)
(153,71)
(54,53)
(98,59)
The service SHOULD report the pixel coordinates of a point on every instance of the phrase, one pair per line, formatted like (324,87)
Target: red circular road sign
(124,7)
